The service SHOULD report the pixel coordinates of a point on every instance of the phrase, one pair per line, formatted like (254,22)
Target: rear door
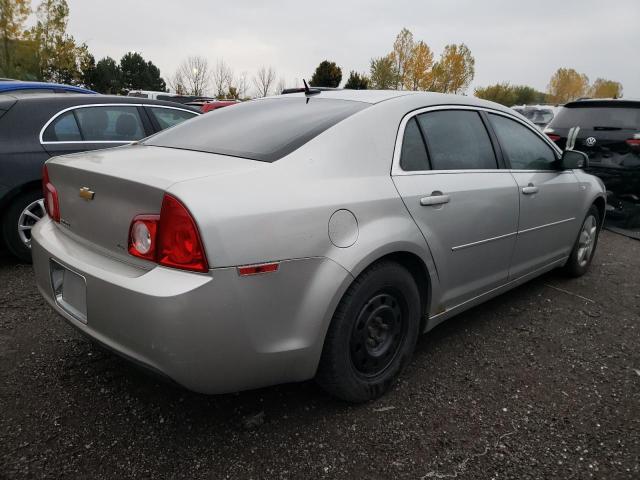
(549,198)
(92,127)
(448,173)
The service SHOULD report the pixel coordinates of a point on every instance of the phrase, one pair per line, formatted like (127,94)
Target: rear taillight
(142,236)
(553,137)
(170,239)
(633,142)
(51,203)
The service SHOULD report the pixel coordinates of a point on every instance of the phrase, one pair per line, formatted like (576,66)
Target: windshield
(591,117)
(264,130)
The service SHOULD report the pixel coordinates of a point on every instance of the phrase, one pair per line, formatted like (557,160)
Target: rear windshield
(537,115)
(264,130)
(591,117)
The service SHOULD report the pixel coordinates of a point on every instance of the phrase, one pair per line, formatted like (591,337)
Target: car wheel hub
(28,218)
(377,334)
(586,240)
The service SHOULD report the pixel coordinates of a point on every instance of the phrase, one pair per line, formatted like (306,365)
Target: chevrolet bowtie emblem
(86,193)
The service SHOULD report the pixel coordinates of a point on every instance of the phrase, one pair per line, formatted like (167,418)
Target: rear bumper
(212,333)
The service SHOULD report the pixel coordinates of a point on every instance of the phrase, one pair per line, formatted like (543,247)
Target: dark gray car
(36,127)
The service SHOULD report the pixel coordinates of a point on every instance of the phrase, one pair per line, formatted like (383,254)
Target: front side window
(523,148)
(110,123)
(168,117)
(457,140)
(63,129)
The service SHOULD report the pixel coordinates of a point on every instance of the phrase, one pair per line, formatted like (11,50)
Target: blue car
(15,86)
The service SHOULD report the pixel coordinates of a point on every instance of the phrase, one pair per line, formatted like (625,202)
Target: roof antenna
(309,91)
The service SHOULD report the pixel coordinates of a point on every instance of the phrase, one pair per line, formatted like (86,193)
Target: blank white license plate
(70,291)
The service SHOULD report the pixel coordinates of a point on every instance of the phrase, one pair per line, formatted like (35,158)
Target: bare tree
(176,82)
(243,85)
(263,80)
(192,77)
(222,78)
(281,85)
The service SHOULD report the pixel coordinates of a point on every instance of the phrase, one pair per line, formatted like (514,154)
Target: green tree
(357,81)
(138,74)
(13,14)
(56,49)
(382,73)
(107,77)
(603,88)
(566,84)
(526,95)
(327,74)
(500,93)
(401,54)
(454,71)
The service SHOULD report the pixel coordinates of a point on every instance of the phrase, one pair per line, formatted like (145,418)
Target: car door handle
(436,198)
(530,189)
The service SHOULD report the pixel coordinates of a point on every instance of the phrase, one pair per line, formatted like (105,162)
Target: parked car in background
(208,106)
(608,131)
(18,86)
(169,97)
(35,127)
(540,115)
(305,236)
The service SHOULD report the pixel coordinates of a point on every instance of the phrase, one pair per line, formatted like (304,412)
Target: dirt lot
(538,383)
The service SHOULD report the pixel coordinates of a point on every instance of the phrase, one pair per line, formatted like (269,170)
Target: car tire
(14,215)
(372,335)
(585,245)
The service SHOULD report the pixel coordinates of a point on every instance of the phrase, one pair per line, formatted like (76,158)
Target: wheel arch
(417,267)
(600,204)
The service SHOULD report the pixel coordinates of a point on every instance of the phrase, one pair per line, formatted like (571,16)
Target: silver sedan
(308,235)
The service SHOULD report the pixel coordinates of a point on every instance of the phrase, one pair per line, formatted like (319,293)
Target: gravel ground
(542,382)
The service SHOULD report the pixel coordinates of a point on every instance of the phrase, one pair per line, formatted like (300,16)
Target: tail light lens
(51,203)
(553,137)
(179,243)
(170,239)
(142,236)
(633,142)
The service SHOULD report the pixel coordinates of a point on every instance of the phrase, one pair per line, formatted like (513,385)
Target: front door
(465,206)
(549,197)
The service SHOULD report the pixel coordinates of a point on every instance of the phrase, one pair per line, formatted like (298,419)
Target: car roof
(410,98)
(12,85)
(604,102)
(73,99)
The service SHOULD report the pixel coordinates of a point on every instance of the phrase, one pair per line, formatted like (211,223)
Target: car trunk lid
(101,191)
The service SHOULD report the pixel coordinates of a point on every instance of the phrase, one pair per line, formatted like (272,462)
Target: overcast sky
(522,42)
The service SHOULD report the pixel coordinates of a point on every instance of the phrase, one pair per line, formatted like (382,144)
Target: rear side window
(264,130)
(112,123)
(457,140)
(63,129)
(168,117)
(414,154)
(524,149)
(594,117)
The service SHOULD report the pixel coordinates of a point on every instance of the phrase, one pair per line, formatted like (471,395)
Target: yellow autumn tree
(13,14)
(401,54)
(603,88)
(455,70)
(567,85)
(418,68)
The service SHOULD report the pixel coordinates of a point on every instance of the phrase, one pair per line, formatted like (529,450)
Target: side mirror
(572,159)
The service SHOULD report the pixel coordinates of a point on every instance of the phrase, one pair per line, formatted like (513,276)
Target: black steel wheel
(372,334)
(378,333)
